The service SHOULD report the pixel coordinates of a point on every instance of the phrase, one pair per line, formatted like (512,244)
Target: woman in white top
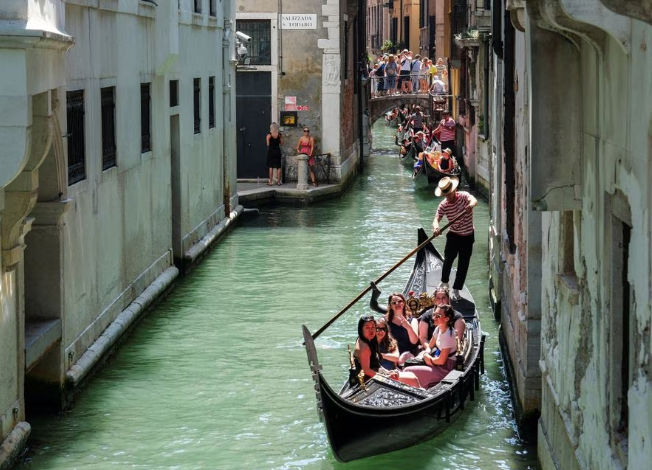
(439,357)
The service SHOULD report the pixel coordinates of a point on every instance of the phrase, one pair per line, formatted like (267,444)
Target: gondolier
(445,132)
(460,237)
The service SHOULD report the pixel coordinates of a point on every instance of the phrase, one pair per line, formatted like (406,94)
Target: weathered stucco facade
(571,225)
(316,67)
(117,162)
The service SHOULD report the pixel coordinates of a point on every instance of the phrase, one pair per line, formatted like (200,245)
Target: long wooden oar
(387,273)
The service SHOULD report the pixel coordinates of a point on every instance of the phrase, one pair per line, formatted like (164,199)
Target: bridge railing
(389,86)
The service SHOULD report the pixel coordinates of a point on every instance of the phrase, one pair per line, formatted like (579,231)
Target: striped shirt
(463,226)
(447,130)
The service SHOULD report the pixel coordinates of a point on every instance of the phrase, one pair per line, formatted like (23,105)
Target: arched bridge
(380,105)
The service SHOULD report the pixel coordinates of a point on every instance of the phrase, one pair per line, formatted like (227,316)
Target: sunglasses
(380,329)
(397,302)
(306,130)
(437,316)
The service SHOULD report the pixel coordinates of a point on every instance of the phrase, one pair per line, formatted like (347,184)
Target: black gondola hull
(386,415)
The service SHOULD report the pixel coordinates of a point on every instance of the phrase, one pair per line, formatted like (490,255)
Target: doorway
(253,109)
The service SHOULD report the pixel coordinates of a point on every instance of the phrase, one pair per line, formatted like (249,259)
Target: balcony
(469,38)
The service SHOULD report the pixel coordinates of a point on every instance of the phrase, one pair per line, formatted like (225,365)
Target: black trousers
(448,144)
(457,245)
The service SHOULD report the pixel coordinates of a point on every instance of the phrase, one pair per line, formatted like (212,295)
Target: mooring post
(302,171)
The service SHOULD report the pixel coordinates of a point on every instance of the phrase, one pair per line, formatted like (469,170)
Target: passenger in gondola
(440,357)
(446,161)
(427,324)
(387,347)
(401,324)
(367,357)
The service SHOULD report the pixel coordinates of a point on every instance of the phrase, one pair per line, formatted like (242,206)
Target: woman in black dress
(274,154)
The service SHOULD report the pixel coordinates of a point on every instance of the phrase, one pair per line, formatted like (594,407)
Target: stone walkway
(252,192)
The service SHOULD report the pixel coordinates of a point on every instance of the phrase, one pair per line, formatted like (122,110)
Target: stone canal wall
(571,228)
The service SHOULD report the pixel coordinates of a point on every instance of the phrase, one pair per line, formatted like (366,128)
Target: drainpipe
(361,40)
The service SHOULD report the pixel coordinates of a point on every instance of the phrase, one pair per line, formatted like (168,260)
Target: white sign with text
(298,21)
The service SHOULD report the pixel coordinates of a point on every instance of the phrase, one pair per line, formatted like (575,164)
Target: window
(76,143)
(211,102)
(197,6)
(196,84)
(174,93)
(108,127)
(259,51)
(145,118)
(567,243)
(212,8)
(406,32)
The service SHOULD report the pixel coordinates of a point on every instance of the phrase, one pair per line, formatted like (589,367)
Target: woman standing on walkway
(274,154)
(306,145)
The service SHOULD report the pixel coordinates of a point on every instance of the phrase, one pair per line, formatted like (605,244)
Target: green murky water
(216,376)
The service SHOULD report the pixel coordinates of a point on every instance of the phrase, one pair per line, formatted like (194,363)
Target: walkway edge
(14,444)
(119,326)
(198,248)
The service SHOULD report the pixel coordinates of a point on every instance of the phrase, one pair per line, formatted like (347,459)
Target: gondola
(383,415)
(434,174)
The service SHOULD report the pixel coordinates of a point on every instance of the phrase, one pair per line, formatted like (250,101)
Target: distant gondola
(383,415)
(434,174)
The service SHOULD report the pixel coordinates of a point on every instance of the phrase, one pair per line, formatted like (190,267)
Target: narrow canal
(216,376)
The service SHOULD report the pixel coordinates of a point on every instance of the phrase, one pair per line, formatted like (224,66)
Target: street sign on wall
(298,21)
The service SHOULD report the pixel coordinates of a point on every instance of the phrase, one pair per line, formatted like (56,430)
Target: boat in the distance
(381,414)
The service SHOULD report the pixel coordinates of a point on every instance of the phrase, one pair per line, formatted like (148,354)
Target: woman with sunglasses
(306,145)
(367,357)
(387,346)
(402,327)
(427,324)
(440,357)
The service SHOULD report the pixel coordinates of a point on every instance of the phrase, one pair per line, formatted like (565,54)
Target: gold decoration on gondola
(416,304)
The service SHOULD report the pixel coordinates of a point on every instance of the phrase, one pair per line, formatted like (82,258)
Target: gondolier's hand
(471,205)
(436,231)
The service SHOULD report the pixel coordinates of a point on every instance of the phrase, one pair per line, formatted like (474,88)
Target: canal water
(215,377)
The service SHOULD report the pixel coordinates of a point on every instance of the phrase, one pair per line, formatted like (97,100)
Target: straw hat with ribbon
(446,185)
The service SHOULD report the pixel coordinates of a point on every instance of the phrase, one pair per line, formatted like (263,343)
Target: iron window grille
(174,93)
(108,127)
(145,118)
(76,141)
(259,51)
(197,6)
(211,102)
(196,83)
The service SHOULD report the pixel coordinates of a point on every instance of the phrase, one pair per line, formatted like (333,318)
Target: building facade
(302,68)
(118,168)
(570,237)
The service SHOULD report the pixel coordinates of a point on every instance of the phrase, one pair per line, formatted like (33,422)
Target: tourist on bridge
(460,237)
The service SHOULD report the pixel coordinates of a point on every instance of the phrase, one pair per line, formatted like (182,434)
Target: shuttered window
(145,118)
(76,140)
(196,87)
(108,127)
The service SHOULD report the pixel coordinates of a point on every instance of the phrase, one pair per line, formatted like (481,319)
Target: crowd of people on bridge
(407,73)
